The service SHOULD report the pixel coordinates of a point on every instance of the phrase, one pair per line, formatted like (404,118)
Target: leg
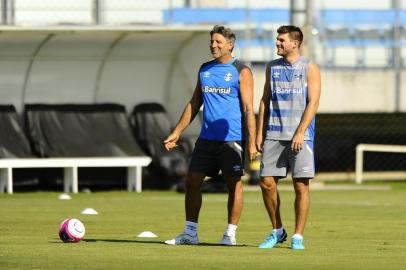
(193,196)
(274,167)
(235,198)
(302,164)
(271,199)
(201,163)
(272,203)
(231,160)
(302,203)
(193,202)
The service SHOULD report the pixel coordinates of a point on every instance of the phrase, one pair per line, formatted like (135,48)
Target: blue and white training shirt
(222,112)
(288,99)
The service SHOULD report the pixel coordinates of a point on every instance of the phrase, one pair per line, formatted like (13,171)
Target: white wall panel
(62,81)
(130,82)
(11,81)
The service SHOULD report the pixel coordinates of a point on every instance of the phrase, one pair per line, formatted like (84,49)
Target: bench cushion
(80,130)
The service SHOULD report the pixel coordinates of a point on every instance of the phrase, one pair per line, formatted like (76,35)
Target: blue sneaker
(297,243)
(273,239)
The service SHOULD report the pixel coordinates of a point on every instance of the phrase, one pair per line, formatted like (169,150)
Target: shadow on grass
(160,242)
(218,245)
(152,242)
(109,240)
(124,241)
(279,247)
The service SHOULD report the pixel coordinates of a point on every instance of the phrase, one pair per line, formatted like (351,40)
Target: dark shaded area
(13,141)
(151,126)
(215,184)
(50,179)
(337,135)
(104,130)
(15,144)
(80,130)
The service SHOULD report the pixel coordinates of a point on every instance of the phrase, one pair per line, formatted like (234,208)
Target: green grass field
(351,229)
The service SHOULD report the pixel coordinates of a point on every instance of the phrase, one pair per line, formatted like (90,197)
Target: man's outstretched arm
(189,113)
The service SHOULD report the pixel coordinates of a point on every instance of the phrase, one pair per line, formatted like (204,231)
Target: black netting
(337,136)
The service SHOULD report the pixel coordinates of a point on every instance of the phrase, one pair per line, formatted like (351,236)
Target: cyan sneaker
(228,241)
(273,239)
(297,243)
(183,239)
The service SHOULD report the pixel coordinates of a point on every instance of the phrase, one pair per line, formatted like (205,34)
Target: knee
(193,183)
(234,185)
(238,187)
(301,188)
(267,185)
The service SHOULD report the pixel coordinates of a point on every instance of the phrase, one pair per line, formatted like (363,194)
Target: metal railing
(361,148)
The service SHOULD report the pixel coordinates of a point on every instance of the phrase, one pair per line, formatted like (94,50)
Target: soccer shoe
(274,239)
(297,243)
(183,239)
(228,241)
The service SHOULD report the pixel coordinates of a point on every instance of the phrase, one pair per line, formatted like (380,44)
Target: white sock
(231,229)
(278,231)
(190,228)
(297,236)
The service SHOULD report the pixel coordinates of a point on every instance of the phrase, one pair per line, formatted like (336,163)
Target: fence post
(397,57)
(4,12)
(96,12)
(359,160)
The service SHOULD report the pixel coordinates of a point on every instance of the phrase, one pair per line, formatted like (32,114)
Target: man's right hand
(171,141)
(259,143)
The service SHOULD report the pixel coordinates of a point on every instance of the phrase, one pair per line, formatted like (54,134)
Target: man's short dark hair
(226,32)
(294,32)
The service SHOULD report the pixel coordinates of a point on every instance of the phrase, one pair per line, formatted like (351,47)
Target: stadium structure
(103,58)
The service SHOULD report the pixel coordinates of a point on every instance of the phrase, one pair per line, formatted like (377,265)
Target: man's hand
(252,151)
(171,141)
(297,141)
(259,143)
